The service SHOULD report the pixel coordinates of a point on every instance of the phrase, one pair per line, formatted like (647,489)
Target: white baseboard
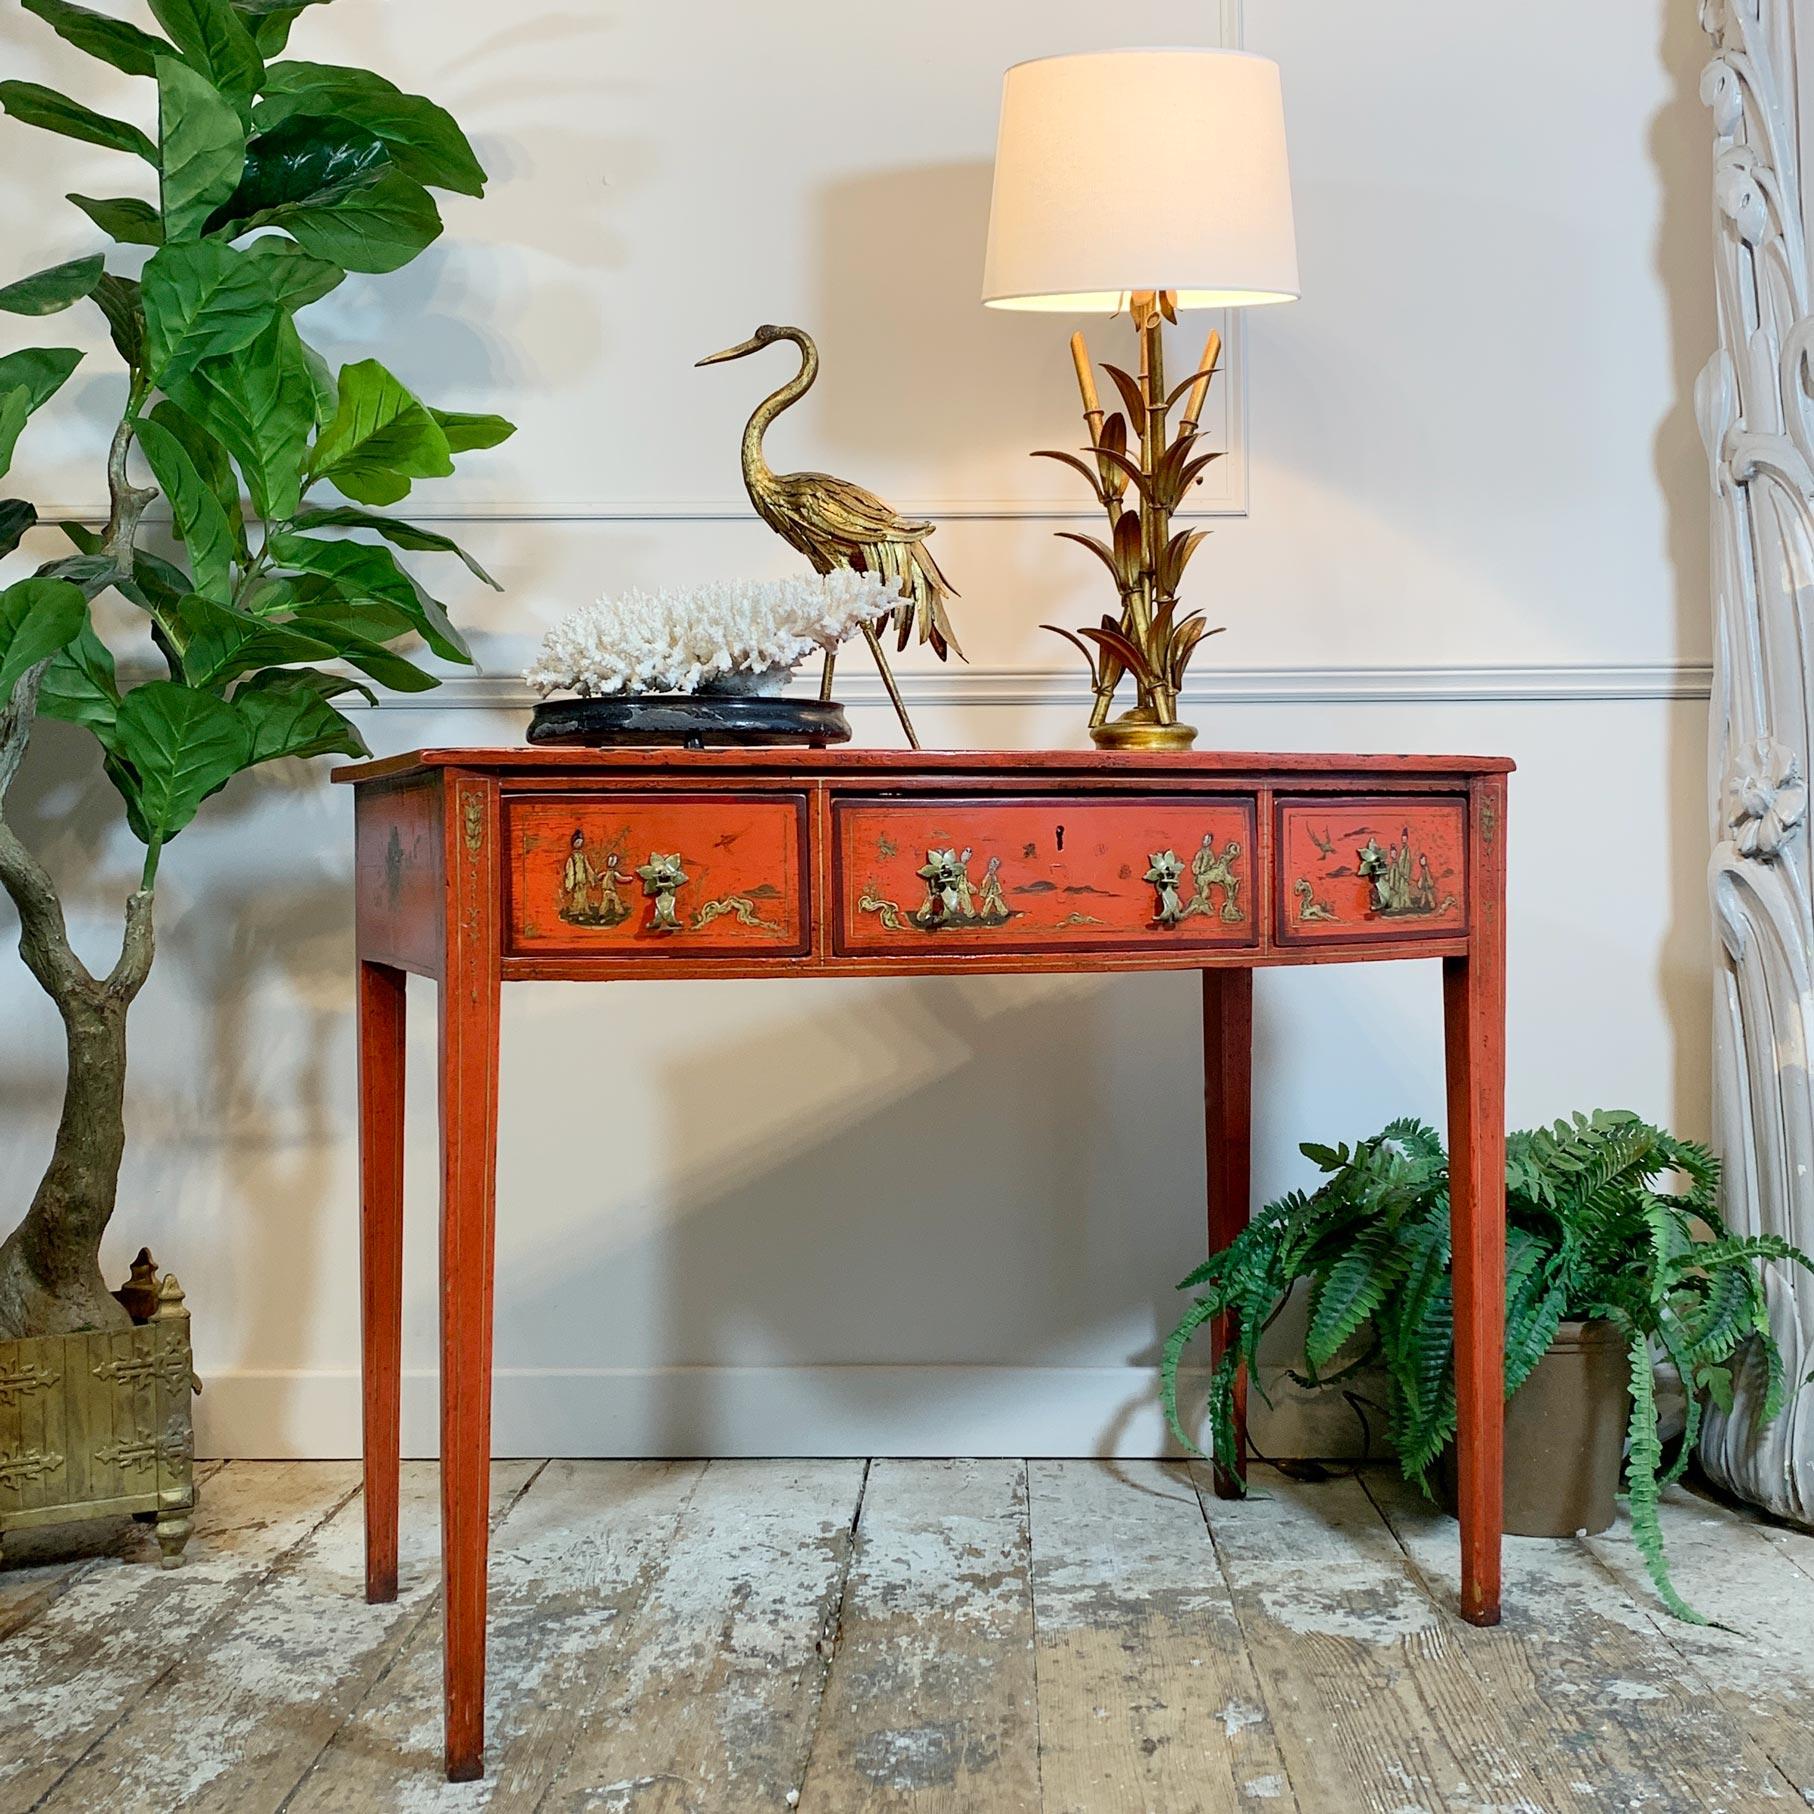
(665,1411)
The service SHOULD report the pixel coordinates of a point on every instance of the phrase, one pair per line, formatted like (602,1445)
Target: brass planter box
(100,1425)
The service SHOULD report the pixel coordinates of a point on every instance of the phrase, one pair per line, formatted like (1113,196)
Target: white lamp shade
(1128,170)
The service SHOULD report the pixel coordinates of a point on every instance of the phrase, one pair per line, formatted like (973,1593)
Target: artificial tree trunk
(50,1265)
(50,1269)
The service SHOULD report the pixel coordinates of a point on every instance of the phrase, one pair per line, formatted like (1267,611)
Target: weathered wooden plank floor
(1060,1637)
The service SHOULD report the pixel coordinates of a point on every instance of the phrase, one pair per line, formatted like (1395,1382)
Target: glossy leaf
(211,461)
(114,41)
(362,574)
(202,149)
(287,713)
(79,686)
(296,278)
(302,162)
(423,139)
(395,531)
(16,518)
(269,21)
(181,745)
(38,370)
(131,221)
(36,105)
(119,299)
(206,533)
(380,227)
(202,301)
(221,642)
(380,439)
(358,633)
(467,433)
(37,617)
(47,292)
(1092,478)
(216,45)
(15,412)
(257,402)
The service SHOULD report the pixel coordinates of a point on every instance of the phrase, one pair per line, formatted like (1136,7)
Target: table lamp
(1150,181)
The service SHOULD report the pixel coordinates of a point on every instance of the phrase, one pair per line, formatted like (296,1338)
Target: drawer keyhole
(1061,837)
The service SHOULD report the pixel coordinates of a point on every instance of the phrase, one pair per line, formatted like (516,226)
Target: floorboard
(990,1637)
(930,1704)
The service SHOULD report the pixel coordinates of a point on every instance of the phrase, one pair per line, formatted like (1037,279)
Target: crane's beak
(739,351)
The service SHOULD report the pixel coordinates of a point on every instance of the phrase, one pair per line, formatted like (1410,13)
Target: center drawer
(682,875)
(1031,873)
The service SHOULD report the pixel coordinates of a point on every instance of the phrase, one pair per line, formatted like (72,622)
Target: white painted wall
(941,1216)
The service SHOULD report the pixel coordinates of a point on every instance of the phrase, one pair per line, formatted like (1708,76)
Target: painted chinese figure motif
(590,893)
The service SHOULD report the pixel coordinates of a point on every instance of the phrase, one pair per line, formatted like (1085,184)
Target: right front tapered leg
(1228,1130)
(381,1040)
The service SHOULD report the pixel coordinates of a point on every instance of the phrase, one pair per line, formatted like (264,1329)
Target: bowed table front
(479,867)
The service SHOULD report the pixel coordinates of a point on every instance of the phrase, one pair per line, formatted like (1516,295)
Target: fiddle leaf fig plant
(273,178)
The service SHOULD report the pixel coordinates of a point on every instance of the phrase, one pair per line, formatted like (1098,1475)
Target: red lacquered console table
(484,866)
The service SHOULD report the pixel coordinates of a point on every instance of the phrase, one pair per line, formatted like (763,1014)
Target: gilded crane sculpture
(837,524)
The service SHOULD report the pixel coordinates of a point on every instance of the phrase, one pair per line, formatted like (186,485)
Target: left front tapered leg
(469,1131)
(1228,1144)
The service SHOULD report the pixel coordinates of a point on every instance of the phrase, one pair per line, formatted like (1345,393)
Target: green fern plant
(1591,1233)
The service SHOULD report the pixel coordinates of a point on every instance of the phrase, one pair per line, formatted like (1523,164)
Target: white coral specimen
(677,642)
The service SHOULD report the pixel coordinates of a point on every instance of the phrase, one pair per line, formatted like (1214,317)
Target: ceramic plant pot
(1564,1437)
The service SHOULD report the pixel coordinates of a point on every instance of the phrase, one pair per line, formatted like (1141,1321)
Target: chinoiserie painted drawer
(1370,869)
(684,875)
(1031,874)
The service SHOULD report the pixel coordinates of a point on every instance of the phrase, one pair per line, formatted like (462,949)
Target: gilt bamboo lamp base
(1138,729)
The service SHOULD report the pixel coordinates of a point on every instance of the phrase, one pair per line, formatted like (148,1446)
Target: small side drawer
(1043,874)
(1373,869)
(677,875)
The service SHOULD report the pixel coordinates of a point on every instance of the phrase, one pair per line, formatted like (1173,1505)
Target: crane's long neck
(757,474)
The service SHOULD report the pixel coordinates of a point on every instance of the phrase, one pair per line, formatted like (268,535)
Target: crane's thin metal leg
(894,692)
(831,662)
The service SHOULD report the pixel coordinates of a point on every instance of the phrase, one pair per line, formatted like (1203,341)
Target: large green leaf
(131,221)
(39,370)
(396,531)
(259,404)
(182,744)
(302,162)
(36,105)
(112,40)
(467,433)
(46,292)
(424,140)
(216,45)
(119,299)
(211,461)
(357,633)
(15,412)
(221,642)
(202,301)
(296,278)
(287,712)
(379,227)
(79,685)
(380,439)
(202,149)
(269,21)
(362,574)
(37,617)
(206,533)
(16,518)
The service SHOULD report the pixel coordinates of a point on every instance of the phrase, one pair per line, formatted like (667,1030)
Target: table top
(507,758)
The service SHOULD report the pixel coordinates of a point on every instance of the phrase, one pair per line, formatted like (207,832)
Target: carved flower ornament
(1766,799)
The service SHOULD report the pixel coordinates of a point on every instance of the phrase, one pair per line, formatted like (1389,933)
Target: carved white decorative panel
(1756,414)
